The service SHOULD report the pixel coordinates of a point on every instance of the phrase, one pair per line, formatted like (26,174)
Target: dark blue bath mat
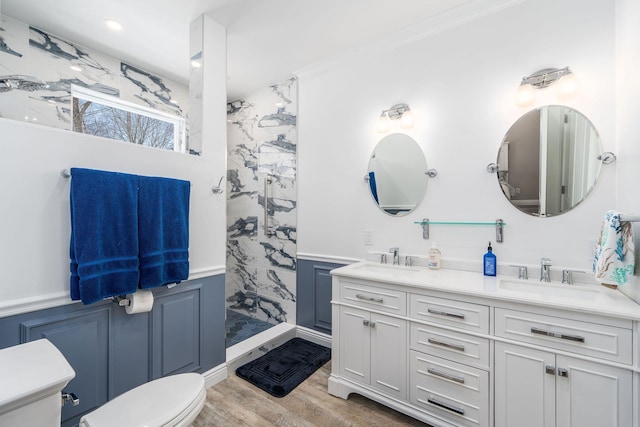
(285,367)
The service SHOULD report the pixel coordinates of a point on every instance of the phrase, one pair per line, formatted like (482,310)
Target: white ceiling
(267,40)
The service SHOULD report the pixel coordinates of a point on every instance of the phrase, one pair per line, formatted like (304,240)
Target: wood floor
(235,402)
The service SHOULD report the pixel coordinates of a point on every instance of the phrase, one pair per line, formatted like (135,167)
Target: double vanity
(456,348)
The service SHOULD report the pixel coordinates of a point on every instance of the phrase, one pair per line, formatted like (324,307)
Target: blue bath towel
(163,230)
(104,234)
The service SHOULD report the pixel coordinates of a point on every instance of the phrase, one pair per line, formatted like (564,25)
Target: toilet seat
(172,401)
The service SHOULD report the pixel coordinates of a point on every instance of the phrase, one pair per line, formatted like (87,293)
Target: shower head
(21,82)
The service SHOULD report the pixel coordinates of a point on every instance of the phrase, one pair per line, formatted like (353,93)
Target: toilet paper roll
(140,302)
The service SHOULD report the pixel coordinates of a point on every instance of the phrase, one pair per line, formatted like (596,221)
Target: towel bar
(65,173)
(629,218)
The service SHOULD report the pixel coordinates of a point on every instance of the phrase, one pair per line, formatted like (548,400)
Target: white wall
(34,219)
(460,84)
(627,123)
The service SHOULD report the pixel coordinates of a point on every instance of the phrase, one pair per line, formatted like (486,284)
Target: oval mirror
(397,174)
(548,161)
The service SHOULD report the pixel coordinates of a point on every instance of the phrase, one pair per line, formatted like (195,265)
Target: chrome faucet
(545,270)
(396,255)
(567,276)
(523,272)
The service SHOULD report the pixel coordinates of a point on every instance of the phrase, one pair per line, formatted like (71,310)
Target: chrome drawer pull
(446,344)
(446,313)
(445,406)
(446,376)
(366,298)
(575,338)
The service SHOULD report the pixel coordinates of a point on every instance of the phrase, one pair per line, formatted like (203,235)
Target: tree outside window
(108,117)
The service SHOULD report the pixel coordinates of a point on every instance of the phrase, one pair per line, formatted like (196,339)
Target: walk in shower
(261,210)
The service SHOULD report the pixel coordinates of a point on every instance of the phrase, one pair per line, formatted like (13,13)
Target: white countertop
(599,299)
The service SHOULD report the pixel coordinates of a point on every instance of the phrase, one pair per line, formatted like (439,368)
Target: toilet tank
(32,377)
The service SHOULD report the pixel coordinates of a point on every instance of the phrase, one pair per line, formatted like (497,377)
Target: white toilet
(33,376)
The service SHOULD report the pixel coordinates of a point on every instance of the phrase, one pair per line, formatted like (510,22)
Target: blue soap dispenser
(489,262)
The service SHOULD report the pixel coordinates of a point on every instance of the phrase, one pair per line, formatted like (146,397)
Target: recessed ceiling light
(113,25)
(195,64)
(174,101)
(76,68)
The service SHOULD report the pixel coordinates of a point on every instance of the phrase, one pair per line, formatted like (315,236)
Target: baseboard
(215,375)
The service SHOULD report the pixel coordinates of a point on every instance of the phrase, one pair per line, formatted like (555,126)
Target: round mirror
(397,174)
(548,161)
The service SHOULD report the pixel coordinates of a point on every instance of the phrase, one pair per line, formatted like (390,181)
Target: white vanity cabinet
(450,349)
(537,386)
(374,350)
(422,355)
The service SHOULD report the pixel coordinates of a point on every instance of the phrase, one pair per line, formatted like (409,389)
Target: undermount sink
(386,269)
(552,290)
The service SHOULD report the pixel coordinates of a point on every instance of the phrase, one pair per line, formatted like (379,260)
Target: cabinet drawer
(463,382)
(455,346)
(371,297)
(590,339)
(463,315)
(457,392)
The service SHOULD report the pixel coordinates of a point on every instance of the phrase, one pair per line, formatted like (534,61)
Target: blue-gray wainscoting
(314,294)
(113,352)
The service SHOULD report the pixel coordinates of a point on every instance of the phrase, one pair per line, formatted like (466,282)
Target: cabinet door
(389,355)
(592,395)
(355,344)
(524,387)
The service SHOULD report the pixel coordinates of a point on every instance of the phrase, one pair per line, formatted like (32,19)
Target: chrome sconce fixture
(400,112)
(566,79)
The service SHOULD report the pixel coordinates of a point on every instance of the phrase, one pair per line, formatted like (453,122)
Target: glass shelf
(492,223)
(498,224)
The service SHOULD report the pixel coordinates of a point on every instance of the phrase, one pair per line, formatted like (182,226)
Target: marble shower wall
(28,51)
(261,142)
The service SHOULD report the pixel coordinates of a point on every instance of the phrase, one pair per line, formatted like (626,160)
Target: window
(95,113)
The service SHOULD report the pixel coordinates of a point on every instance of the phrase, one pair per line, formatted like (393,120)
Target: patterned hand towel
(614,260)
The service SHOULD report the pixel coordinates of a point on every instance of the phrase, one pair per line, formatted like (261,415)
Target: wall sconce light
(567,84)
(400,112)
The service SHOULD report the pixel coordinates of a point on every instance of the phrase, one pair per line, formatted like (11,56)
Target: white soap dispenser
(434,257)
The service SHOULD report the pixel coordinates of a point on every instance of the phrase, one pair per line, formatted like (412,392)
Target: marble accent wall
(262,139)
(47,61)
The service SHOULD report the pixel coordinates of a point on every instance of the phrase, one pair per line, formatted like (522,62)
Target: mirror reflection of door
(397,174)
(547,162)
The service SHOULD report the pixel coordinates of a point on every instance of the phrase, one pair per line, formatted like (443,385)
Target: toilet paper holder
(121,300)
(138,302)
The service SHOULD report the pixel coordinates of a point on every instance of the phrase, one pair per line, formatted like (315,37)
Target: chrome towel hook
(218,189)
